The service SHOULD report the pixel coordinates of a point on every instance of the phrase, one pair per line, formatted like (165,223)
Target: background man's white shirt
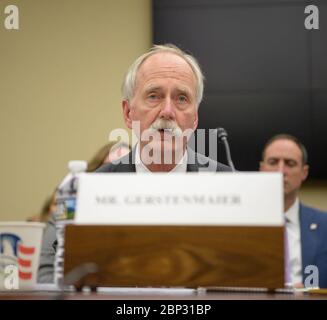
(294,241)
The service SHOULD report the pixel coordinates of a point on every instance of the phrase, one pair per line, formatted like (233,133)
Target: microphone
(222,136)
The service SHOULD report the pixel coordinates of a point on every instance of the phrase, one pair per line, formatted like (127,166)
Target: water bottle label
(70,208)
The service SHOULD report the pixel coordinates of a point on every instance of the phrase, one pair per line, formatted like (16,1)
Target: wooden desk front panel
(188,256)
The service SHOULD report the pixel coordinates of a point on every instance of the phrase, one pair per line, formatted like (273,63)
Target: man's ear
(305,172)
(126,111)
(195,122)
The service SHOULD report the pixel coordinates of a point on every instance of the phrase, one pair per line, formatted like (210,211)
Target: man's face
(285,156)
(166,90)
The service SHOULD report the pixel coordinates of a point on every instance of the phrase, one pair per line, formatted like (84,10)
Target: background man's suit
(314,242)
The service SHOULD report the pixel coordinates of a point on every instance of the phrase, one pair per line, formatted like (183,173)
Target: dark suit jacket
(195,162)
(314,241)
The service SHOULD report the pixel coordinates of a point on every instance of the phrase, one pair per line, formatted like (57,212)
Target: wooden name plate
(174,256)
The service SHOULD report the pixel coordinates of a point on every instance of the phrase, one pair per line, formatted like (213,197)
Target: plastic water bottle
(65,211)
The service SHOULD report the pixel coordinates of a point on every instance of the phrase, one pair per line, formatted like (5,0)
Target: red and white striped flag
(25,258)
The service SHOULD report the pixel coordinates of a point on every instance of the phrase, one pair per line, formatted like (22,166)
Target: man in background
(306,228)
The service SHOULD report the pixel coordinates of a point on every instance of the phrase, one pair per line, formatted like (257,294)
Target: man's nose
(281,167)
(167,109)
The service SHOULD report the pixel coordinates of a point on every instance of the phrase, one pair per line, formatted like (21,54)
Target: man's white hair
(129,83)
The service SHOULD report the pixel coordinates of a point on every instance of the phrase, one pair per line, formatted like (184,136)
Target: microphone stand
(222,136)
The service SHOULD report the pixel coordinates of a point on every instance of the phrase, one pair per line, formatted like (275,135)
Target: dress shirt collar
(140,167)
(292,214)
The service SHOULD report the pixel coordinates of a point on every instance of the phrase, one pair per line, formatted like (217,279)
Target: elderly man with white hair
(162,91)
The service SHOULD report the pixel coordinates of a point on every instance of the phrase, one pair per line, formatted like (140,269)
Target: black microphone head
(221,133)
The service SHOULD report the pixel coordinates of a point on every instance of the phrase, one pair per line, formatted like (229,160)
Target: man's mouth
(170,131)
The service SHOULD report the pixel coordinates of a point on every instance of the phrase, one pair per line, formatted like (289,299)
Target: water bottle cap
(76,166)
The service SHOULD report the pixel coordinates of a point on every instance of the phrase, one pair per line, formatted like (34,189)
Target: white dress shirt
(140,167)
(294,241)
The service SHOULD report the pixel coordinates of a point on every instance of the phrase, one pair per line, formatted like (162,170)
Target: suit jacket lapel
(127,165)
(192,163)
(192,167)
(308,238)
